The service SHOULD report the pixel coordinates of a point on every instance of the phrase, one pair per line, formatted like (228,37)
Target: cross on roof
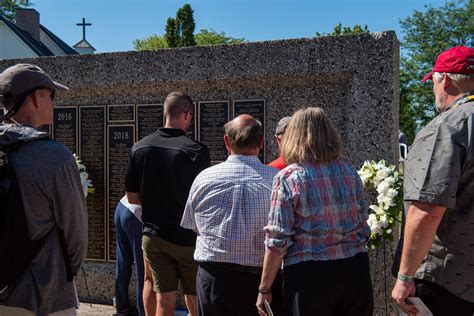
(83,24)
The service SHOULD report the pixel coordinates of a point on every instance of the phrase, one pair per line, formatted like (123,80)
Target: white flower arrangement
(388,184)
(87,186)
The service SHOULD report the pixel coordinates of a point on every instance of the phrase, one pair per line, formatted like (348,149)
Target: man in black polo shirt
(161,169)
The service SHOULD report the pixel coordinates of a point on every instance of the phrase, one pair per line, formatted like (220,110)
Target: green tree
(179,32)
(150,43)
(185,26)
(211,37)
(426,34)
(339,29)
(171,33)
(8,7)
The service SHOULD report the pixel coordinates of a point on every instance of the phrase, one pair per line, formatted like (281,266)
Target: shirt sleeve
(132,179)
(188,221)
(433,169)
(203,160)
(279,230)
(70,217)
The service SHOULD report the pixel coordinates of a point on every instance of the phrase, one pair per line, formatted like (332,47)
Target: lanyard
(463,99)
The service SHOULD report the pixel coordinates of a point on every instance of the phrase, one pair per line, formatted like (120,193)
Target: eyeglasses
(53,94)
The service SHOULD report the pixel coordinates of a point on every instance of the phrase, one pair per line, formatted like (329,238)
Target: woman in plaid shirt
(317,225)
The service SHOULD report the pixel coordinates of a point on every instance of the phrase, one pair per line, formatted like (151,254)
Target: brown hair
(310,135)
(244,135)
(176,103)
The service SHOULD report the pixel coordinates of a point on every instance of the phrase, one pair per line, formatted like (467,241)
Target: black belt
(231,266)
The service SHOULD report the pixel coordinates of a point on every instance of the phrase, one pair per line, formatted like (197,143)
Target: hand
(260,303)
(400,292)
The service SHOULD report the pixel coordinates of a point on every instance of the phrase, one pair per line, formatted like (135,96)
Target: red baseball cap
(456,60)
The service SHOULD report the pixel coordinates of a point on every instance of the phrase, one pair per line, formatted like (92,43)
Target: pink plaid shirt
(318,212)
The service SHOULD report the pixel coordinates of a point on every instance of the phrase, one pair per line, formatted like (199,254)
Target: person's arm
(188,221)
(420,229)
(134,198)
(203,160)
(70,213)
(271,265)
(279,232)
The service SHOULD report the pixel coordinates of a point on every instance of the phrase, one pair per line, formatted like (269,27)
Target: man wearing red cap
(437,262)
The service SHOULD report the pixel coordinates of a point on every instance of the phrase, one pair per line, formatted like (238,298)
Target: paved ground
(95,309)
(87,309)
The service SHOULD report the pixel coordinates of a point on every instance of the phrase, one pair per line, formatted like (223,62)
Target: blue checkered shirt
(228,205)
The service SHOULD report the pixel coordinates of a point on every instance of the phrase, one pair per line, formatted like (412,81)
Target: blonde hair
(311,136)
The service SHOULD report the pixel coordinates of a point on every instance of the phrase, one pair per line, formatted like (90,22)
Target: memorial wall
(102,137)
(116,99)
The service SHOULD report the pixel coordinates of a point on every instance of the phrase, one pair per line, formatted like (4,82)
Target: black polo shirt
(162,168)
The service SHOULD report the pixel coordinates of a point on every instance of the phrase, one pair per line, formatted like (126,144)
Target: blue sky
(116,23)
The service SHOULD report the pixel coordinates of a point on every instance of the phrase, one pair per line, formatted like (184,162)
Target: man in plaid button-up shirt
(228,207)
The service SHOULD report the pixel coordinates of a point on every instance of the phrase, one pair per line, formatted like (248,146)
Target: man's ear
(227,142)
(33,99)
(260,146)
(447,82)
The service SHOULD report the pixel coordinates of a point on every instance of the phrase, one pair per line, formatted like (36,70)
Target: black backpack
(17,250)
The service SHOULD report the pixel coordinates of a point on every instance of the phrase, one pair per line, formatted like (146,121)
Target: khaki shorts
(170,263)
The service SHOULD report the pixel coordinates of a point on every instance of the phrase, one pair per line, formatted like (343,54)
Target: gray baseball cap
(19,79)
(281,126)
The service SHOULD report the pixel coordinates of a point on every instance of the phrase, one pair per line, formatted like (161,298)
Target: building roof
(83,43)
(65,47)
(39,48)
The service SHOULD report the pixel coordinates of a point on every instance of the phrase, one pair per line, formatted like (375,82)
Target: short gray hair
(438,76)
(244,137)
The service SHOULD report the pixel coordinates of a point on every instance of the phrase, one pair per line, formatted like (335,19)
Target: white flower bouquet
(388,184)
(87,186)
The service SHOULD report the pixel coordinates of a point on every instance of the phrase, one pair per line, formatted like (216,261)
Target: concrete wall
(354,78)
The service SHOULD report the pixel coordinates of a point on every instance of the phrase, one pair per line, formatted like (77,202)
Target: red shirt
(278,163)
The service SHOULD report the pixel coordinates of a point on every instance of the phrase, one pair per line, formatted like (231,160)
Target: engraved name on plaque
(123,113)
(257,109)
(65,127)
(92,152)
(149,119)
(211,119)
(120,141)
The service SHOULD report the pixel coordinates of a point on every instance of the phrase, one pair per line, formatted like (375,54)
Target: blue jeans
(129,251)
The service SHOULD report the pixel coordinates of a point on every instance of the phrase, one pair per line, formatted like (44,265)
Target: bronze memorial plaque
(92,142)
(211,119)
(257,109)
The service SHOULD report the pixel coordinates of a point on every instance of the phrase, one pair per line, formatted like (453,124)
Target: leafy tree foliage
(8,7)
(426,34)
(151,42)
(211,37)
(171,33)
(343,30)
(185,26)
(179,31)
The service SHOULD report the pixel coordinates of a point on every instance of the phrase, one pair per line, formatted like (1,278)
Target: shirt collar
(467,97)
(173,132)
(244,159)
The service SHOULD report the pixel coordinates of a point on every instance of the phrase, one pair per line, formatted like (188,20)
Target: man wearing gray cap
(279,163)
(51,193)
